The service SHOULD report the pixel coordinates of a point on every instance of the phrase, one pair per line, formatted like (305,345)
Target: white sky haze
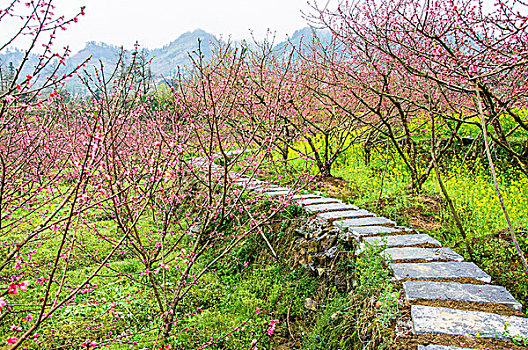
(155,23)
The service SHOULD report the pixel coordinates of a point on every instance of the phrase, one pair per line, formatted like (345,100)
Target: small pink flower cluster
(11,340)
(14,287)
(88,344)
(273,325)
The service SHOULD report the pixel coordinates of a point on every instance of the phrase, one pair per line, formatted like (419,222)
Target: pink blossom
(273,325)
(16,328)
(23,286)
(3,303)
(9,98)
(12,288)
(11,340)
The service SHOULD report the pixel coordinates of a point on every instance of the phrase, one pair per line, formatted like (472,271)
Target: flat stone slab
(374,221)
(272,189)
(344,214)
(243,178)
(254,185)
(306,196)
(370,231)
(410,254)
(439,270)
(427,290)
(314,201)
(328,207)
(441,320)
(246,180)
(441,347)
(278,193)
(418,239)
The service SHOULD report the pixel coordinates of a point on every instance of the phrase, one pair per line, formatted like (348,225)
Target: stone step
(271,191)
(361,233)
(254,185)
(329,207)
(373,221)
(440,347)
(451,271)
(441,320)
(314,201)
(410,254)
(428,290)
(242,178)
(270,188)
(397,241)
(246,180)
(278,193)
(345,214)
(306,196)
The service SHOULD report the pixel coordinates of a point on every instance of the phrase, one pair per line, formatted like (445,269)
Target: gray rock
(399,241)
(374,221)
(439,270)
(345,214)
(370,231)
(440,320)
(426,290)
(410,254)
(314,201)
(328,207)
(310,304)
(440,347)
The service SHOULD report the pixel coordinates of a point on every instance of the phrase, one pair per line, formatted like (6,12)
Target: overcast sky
(155,23)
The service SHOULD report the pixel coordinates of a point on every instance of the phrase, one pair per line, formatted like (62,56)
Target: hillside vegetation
(123,221)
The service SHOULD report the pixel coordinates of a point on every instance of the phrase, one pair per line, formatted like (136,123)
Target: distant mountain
(305,36)
(165,60)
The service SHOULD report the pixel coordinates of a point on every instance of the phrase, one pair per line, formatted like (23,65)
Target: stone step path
(427,271)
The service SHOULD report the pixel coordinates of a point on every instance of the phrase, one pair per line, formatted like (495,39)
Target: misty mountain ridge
(164,60)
